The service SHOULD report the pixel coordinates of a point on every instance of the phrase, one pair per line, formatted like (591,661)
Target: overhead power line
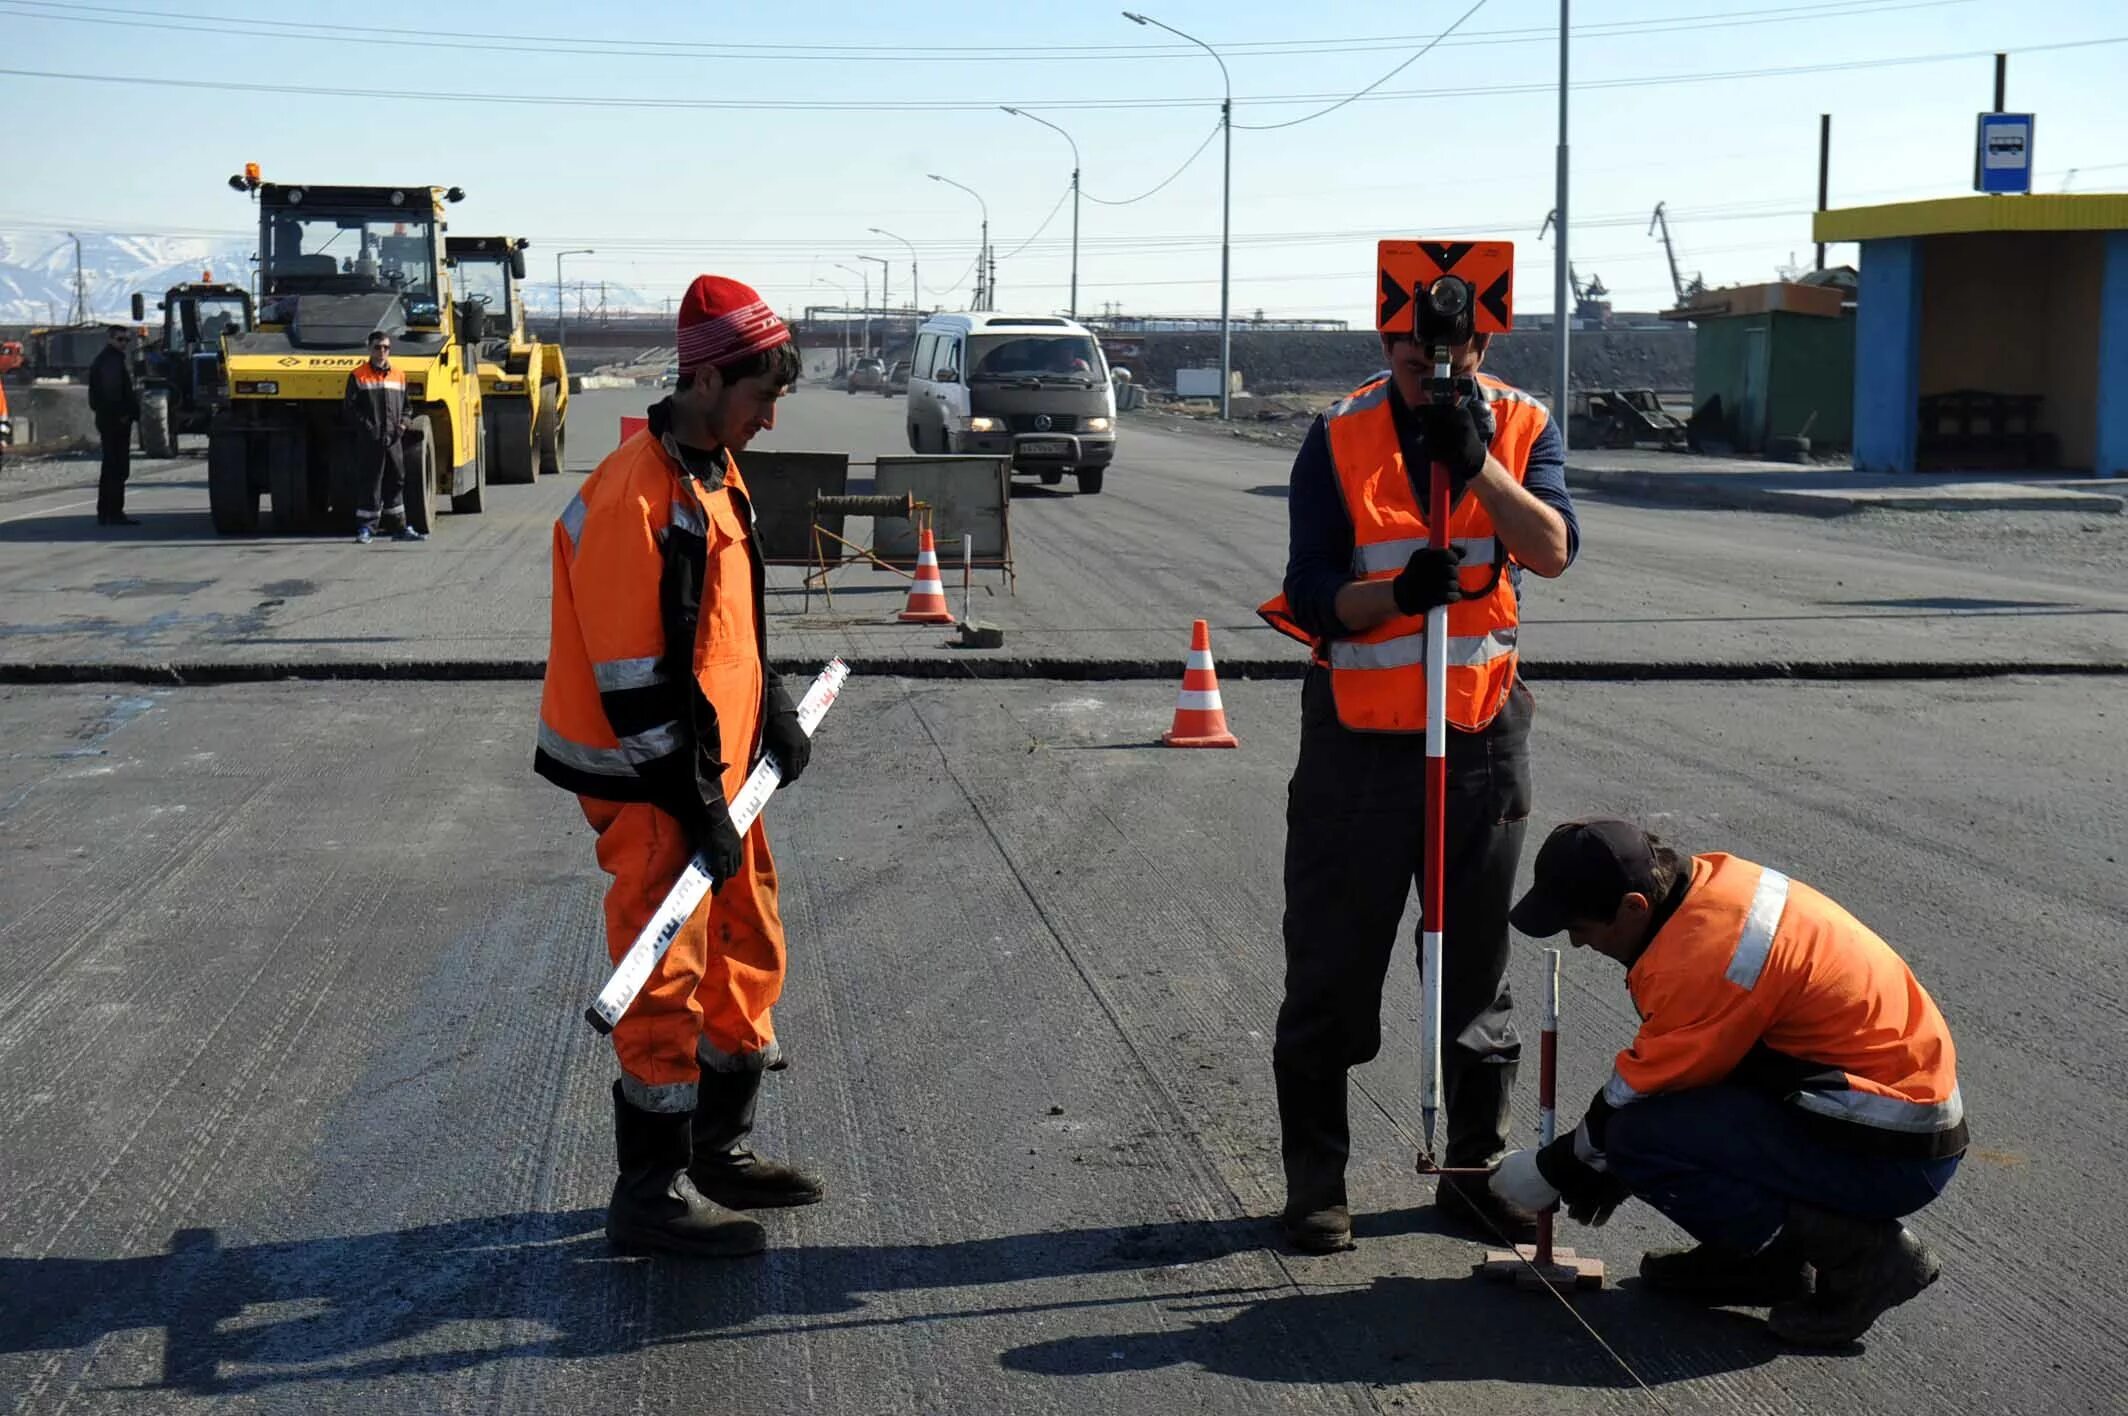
(1163,182)
(1356,97)
(318,31)
(875,105)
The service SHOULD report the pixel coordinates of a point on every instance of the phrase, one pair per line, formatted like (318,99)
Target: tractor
(335,264)
(179,375)
(524,384)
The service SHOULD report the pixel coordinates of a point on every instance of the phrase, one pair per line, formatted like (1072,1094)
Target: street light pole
(1562,282)
(916,289)
(561,301)
(865,284)
(985,273)
(1023,113)
(886,301)
(842,326)
(1226,211)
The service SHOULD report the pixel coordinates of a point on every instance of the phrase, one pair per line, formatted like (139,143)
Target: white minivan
(1033,387)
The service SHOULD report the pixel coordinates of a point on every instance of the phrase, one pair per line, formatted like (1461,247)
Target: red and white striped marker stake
(1544,1264)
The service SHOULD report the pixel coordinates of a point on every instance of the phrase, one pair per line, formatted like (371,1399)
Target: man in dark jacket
(116,404)
(376,413)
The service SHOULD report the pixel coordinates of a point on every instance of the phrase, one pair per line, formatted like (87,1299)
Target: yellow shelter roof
(1955,216)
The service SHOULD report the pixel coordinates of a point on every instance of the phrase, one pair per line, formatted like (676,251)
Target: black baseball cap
(1583,870)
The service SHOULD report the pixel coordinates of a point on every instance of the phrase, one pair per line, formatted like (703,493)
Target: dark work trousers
(382,481)
(1355,850)
(116,434)
(1724,1163)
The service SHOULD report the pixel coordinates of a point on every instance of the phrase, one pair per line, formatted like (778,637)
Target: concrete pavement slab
(303,1116)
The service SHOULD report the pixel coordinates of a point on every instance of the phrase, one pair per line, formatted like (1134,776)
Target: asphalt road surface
(300,1113)
(1188,527)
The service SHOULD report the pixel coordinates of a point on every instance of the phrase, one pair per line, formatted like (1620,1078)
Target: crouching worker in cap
(1792,1093)
(658,703)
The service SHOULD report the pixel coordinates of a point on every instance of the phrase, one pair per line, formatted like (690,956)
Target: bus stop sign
(2002,161)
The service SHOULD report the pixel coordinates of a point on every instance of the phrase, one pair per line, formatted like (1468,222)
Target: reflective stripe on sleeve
(616,675)
(1755,941)
(1409,651)
(599,761)
(572,520)
(1619,1092)
(652,743)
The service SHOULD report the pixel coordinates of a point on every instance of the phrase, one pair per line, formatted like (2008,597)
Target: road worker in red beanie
(658,702)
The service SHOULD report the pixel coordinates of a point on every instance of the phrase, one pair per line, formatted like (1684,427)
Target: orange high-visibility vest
(617,718)
(1761,979)
(1378,678)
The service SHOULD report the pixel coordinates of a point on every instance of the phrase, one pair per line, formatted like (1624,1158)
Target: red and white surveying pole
(1436,799)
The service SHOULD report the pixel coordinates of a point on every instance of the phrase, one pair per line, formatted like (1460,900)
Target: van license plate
(1045,449)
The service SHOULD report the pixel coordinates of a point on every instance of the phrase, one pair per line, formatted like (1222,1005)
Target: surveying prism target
(1404,269)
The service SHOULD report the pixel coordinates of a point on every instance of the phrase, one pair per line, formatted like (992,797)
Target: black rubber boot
(724,1168)
(1315,1140)
(1714,1273)
(1479,1096)
(1865,1268)
(655,1207)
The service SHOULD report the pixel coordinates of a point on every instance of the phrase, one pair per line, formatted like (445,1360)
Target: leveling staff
(659,701)
(1359,581)
(1791,1095)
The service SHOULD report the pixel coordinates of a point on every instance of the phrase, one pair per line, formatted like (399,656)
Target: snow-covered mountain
(37,271)
(37,274)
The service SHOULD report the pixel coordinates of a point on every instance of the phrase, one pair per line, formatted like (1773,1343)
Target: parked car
(897,379)
(868,375)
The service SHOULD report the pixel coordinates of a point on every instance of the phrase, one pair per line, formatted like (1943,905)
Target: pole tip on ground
(1520,1267)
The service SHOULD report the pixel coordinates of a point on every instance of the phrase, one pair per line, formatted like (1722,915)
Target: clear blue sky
(778,197)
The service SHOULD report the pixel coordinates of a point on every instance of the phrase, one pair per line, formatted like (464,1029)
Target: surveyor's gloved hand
(1428,579)
(716,839)
(1520,1183)
(783,737)
(1572,1167)
(1457,436)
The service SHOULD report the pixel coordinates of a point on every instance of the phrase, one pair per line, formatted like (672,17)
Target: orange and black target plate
(1407,267)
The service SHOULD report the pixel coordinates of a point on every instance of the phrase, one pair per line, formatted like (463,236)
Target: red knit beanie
(722,320)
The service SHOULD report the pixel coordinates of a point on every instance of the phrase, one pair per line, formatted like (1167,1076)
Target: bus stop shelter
(1991,332)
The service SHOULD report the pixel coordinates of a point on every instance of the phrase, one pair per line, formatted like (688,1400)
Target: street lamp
(842,325)
(1023,113)
(561,303)
(886,301)
(985,273)
(1226,208)
(865,279)
(916,289)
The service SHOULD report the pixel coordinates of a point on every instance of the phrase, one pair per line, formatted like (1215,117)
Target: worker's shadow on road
(450,1297)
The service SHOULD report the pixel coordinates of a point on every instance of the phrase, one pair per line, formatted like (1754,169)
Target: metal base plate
(1566,1270)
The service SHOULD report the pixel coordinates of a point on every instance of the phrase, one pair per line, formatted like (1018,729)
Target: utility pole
(1562,271)
(1824,171)
(81,284)
(561,298)
(2002,82)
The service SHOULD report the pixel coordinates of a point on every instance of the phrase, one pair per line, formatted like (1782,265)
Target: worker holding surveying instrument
(1417,502)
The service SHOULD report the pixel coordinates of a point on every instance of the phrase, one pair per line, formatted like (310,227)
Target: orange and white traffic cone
(927,593)
(1200,718)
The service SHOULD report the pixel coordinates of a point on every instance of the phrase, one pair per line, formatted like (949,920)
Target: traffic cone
(927,593)
(1200,718)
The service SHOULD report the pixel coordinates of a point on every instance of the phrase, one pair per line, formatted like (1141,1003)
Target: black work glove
(1456,436)
(783,737)
(1589,1195)
(1428,579)
(716,839)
